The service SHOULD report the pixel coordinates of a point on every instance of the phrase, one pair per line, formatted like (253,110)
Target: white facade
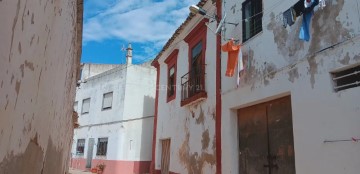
(190,128)
(128,124)
(89,70)
(282,65)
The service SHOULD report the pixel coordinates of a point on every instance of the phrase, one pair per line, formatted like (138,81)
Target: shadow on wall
(146,136)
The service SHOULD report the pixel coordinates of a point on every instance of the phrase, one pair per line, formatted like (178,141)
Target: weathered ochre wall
(39,58)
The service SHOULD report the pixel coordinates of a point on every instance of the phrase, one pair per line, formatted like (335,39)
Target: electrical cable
(291,66)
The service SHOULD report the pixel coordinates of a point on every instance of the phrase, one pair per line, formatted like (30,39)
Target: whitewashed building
(116,112)
(185,109)
(292,106)
(297,107)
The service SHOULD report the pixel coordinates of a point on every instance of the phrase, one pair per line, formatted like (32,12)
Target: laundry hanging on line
(307,15)
(322,4)
(305,27)
(305,8)
(298,9)
(289,17)
(240,68)
(233,53)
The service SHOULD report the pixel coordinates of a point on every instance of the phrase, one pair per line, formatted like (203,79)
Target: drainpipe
(218,92)
(152,165)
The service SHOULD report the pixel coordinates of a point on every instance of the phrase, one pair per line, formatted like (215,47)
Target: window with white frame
(85,106)
(346,78)
(80,146)
(102,147)
(107,101)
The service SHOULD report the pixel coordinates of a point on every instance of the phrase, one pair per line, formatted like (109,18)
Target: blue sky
(110,25)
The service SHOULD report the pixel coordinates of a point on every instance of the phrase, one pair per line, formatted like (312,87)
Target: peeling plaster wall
(128,124)
(191,128)
(279,64)
(40,57)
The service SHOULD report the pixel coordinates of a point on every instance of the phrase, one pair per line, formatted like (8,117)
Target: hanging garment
(233,53)
(240,67)
(322,4)
(305,27)
(309,7)
(289,17)
(307,15)
(308,3)
(299,8)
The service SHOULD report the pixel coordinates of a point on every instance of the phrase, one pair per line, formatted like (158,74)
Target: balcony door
(196,69)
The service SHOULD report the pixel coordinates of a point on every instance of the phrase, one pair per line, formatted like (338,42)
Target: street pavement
(73,171)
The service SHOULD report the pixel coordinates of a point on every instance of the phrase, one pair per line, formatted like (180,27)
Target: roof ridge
(200,4)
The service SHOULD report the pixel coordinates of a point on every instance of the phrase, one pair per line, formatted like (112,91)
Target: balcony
(193,86)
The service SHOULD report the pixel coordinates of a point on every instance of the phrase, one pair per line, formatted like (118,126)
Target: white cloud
(139,21)
(148,24)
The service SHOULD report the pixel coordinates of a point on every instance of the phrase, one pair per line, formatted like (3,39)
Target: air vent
(348,78)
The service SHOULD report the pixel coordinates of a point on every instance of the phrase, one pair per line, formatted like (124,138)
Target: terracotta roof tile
(178,31)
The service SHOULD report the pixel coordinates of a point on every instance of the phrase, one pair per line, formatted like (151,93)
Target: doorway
(266,143)
(90,152)
(165,156)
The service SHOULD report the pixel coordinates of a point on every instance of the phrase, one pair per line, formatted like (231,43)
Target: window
(102,146)
(171,84)
(348,78)
(80,146)
(196,60)
(251,18)
(107,101)
(193,82)
(85,106)
(76,106)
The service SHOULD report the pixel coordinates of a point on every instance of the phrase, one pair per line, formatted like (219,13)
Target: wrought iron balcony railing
(193,83)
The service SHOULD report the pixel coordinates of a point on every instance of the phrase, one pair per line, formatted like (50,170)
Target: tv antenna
(195,9)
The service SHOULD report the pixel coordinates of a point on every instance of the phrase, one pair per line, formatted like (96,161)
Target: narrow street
(180,87)
(75,171)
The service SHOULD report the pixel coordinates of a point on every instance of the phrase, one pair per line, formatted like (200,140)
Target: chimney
(129,54)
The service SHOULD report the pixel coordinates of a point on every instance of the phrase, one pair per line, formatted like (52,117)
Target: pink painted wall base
(114,166)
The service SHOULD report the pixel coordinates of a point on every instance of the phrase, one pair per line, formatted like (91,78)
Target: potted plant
(100,168)
(94,170)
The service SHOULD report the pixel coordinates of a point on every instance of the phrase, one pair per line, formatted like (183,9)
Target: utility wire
(291,66)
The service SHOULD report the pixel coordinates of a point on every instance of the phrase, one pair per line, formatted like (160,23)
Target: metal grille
(80,146)
(252,18)
(193,82)
(345,79)
(102,146)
